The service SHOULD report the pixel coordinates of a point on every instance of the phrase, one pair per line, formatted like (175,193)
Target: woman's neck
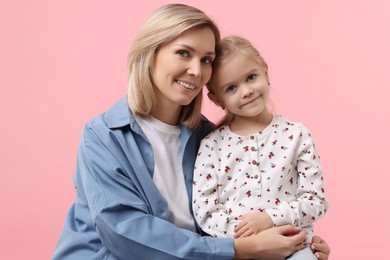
(170,116)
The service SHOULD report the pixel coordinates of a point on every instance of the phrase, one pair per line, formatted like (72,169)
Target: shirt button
(254,162)
(253,148)
(188,177)
(252,137)
(256,176)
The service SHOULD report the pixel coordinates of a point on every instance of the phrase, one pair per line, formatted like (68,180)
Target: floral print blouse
(277,171)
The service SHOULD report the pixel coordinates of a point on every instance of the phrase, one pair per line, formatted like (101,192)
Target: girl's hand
(321,248)
(253,223)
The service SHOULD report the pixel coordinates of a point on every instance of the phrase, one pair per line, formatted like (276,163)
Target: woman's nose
(194,68)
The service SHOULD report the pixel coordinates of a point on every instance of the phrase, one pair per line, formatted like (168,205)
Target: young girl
(256,170)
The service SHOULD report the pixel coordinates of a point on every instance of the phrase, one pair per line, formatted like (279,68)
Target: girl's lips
(251,101)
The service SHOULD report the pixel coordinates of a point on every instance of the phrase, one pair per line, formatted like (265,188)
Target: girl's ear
(213,98)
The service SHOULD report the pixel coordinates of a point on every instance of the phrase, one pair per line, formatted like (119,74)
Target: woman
(132,197)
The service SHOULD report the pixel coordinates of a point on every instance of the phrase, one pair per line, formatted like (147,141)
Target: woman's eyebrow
(212,53)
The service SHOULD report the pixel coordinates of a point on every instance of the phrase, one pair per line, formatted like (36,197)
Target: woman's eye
(231,88)
(183,53)
(251,77)
(207,60)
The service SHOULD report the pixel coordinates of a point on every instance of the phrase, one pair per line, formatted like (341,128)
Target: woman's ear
(215,100)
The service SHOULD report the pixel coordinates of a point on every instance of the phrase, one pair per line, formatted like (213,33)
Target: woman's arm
(274,243)
(129,213)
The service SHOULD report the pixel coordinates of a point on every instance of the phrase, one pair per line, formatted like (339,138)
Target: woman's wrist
(244,248)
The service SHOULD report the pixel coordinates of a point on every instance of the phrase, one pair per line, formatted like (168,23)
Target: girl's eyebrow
(227,84)
(211,53)
(256,70)
(233,82)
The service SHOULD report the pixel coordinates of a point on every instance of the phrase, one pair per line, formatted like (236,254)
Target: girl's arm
(211,215)
(310,203)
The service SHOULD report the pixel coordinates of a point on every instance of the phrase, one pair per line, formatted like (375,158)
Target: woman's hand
(253,223)
(321,248)
(273,243)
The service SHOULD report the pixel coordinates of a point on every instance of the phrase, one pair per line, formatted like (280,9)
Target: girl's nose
(247,92)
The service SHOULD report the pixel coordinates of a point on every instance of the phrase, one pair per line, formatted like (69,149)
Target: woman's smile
(182,67)
(186,85)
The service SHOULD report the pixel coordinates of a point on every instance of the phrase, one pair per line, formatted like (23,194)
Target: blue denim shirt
(118,212)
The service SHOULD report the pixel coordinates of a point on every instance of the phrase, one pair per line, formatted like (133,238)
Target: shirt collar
(119,114)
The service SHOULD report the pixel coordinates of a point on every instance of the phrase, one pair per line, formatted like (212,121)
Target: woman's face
(182,67)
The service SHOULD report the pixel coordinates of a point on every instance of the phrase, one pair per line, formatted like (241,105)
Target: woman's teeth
(186,85)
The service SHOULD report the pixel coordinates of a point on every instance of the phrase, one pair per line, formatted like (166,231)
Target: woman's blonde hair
(226,47)
(164,25)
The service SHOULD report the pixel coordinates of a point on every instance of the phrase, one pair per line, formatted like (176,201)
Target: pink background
(64,62)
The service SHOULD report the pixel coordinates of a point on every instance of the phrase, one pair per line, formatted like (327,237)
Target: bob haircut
(226,47)
(164,25)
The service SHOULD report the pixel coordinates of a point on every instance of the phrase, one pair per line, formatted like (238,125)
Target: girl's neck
(250,125)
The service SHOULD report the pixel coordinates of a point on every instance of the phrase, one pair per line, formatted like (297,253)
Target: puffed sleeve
(310,203)
(211,215)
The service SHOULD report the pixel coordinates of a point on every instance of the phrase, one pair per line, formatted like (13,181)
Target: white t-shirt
(168,170)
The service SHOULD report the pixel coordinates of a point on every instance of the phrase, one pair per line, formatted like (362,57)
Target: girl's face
(182,67)
(241,86)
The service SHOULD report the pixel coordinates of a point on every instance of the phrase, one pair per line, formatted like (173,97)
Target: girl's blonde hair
(164,25)
(226,47)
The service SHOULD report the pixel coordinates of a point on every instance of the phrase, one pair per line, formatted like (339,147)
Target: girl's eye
(251,77)
(207,60)
(231,88)
(183,53)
